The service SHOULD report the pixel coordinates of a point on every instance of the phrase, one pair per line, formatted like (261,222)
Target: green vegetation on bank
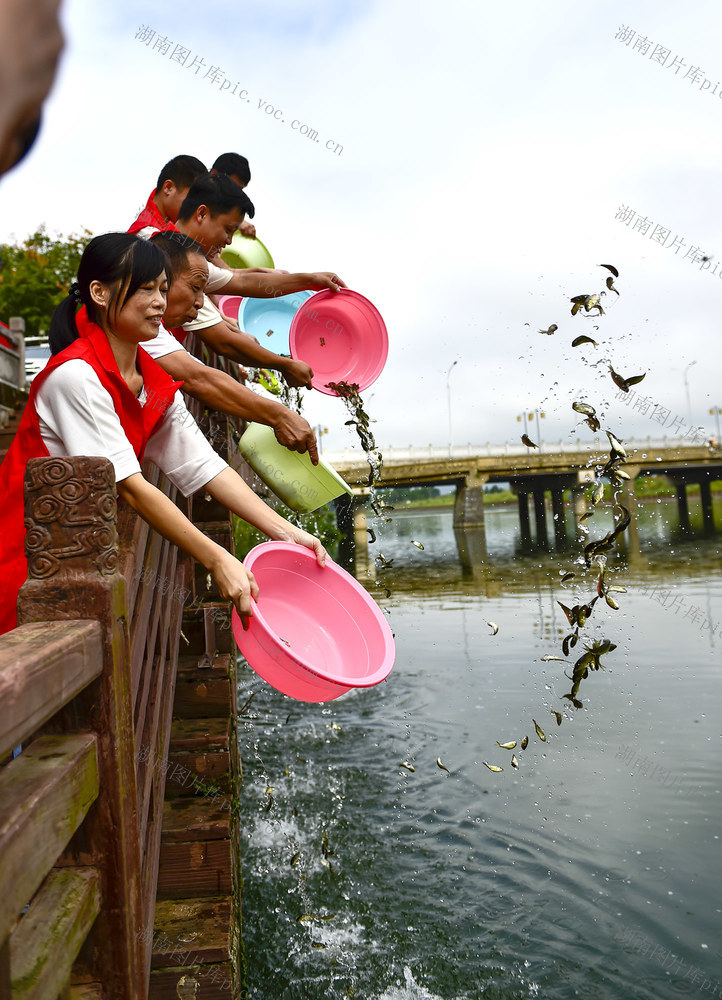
(36,274)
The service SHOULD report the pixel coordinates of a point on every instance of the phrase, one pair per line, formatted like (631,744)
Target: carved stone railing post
(72,551)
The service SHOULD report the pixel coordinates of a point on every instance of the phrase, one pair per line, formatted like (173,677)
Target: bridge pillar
(560,526)
(469,505)
(540,516)
(522,498)
(579,497)
(629,539)
(682,506)
(707,510)
(471,546)
(352,522)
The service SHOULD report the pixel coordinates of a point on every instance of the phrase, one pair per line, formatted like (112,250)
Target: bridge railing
(86,680)
(353,456)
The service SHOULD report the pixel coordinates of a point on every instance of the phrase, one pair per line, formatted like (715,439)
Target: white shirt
(77,417)
(165,343)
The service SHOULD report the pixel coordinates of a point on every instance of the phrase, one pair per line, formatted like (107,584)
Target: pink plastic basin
(342,336)
(230,305)
(315,632)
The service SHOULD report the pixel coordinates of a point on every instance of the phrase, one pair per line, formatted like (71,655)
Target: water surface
(591,871)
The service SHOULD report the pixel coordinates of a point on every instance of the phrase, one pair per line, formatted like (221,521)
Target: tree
(35,276)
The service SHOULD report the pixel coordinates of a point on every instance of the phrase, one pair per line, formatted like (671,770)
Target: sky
(493,156)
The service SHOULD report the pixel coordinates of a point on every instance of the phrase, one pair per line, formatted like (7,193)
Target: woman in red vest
(104,396)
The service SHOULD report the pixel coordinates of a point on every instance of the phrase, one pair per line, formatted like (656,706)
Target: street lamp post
(448,402)
(686,389)
(320,431)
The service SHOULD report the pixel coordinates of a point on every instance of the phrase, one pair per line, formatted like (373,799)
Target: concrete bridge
(552,469)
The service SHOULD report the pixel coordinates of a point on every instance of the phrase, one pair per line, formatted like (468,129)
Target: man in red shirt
(238,169)
(166,198)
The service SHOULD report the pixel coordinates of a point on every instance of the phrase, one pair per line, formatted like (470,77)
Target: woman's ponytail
(63,331)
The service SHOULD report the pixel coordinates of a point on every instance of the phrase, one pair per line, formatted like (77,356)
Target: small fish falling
(578,341)
(610,285)
(624,383)
(247,703)
(617,448)
(587,302)
(557,716)
(567,577)
(514,761)
(442,766)
(492,767)
(525,439)
(349,392)
(323,341)
(612,268)
(372,535)
(295,859)
(590,413)
(550,330)
(507,746)
(494,627)
(525,743)
(409,767)
(417,544)
(549,657)
(539,731)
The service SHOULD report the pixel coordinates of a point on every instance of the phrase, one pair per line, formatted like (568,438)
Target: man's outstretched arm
(219,391)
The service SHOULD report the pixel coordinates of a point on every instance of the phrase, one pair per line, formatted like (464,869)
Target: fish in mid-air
(624,383)
(539,731)
(525,439)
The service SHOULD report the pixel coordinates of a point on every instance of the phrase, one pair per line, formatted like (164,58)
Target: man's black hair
(176,247)
(182,170)
(234,165)
(219,194)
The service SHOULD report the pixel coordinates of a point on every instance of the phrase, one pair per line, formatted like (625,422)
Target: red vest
(137,421)
(150,216)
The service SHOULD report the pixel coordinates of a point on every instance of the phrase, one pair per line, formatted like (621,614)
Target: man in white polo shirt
(212,211)
(217,390)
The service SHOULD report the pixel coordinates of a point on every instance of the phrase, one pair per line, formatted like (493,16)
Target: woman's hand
(235,583)
(301,537)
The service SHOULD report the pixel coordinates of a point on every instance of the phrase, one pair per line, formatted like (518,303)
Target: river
(592,870)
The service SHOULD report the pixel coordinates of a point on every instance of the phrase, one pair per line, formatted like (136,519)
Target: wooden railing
(87,686)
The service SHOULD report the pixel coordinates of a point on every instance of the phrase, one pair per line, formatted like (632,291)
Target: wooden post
(72,550)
